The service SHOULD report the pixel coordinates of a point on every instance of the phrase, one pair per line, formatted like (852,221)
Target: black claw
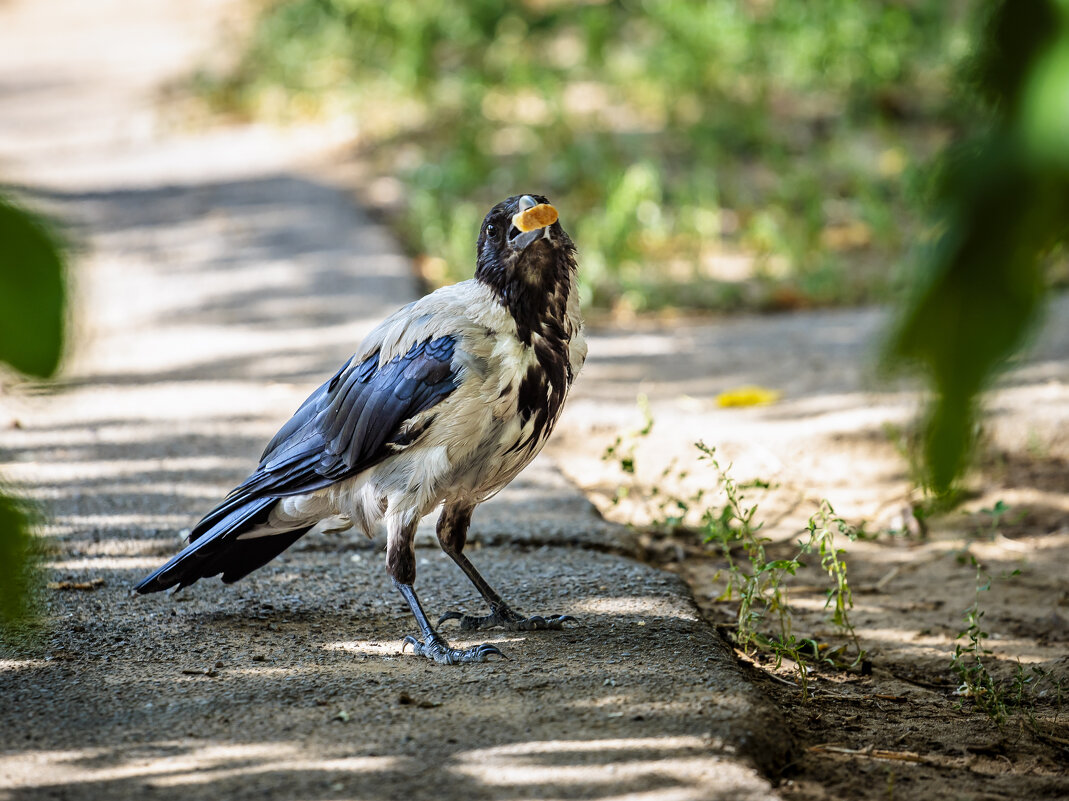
(450,616)
(488,650)
(438,649)
(507,619)
(539,623)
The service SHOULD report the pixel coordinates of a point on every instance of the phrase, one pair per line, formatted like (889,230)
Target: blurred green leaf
(15,575)
(1001,203)
(32,316)
(1045,117)
(32,293)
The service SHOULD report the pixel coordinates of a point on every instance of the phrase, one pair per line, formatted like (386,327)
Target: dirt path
(220,277)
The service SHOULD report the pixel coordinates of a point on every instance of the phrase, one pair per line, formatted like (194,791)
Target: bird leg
(433,646)
(452,534)
(401,566)
(500,612)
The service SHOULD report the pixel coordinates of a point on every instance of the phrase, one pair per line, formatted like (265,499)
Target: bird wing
(355,420)
(374,406)
(352,422)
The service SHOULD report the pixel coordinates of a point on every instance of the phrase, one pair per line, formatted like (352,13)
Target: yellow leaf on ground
(750,395)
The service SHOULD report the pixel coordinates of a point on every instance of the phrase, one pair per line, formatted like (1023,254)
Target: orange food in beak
(534,218)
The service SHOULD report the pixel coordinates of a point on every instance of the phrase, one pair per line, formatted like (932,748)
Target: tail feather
(245,556)
(236,509)
(215,547)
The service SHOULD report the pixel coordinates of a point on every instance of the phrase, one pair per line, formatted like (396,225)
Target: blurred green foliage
(32,324)
(703,153)
(1001,207)
(32,294)
(16,572)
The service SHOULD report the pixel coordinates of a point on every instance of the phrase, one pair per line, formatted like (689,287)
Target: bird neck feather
(535,291)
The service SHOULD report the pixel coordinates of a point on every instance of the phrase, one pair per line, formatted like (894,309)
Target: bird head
(524,254)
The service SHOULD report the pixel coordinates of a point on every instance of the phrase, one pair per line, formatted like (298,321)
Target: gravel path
(220,276)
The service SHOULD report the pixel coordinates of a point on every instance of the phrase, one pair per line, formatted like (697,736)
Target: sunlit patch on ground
(633,607)
(178,763)
(652,768)
(398,648)
(118,563)
(21,664)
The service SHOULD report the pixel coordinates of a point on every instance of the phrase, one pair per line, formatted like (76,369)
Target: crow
(444,403)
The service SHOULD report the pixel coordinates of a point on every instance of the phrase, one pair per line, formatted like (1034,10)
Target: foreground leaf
(32,316)
(14,562)
(32,293)
(1002,204)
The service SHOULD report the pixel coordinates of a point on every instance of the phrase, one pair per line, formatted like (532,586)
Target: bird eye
(491,229)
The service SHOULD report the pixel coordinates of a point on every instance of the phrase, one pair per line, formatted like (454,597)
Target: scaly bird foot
(508,620)
(438,649)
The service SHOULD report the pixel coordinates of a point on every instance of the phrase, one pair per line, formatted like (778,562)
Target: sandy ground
(218,278)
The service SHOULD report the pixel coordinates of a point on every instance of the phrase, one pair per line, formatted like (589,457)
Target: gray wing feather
(343,428)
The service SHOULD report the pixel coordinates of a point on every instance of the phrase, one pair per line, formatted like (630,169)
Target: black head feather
(532,282)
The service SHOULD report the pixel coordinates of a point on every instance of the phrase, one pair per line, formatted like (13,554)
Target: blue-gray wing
(349,424)
(352,422)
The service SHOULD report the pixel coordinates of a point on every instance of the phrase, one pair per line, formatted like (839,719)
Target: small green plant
(622,450)
(969,660)
(758,583)
(1000,700)
(733,526)
(762,590)
(823,528)
(665,511)
(1026,688)
(1000,513)
(995,514)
